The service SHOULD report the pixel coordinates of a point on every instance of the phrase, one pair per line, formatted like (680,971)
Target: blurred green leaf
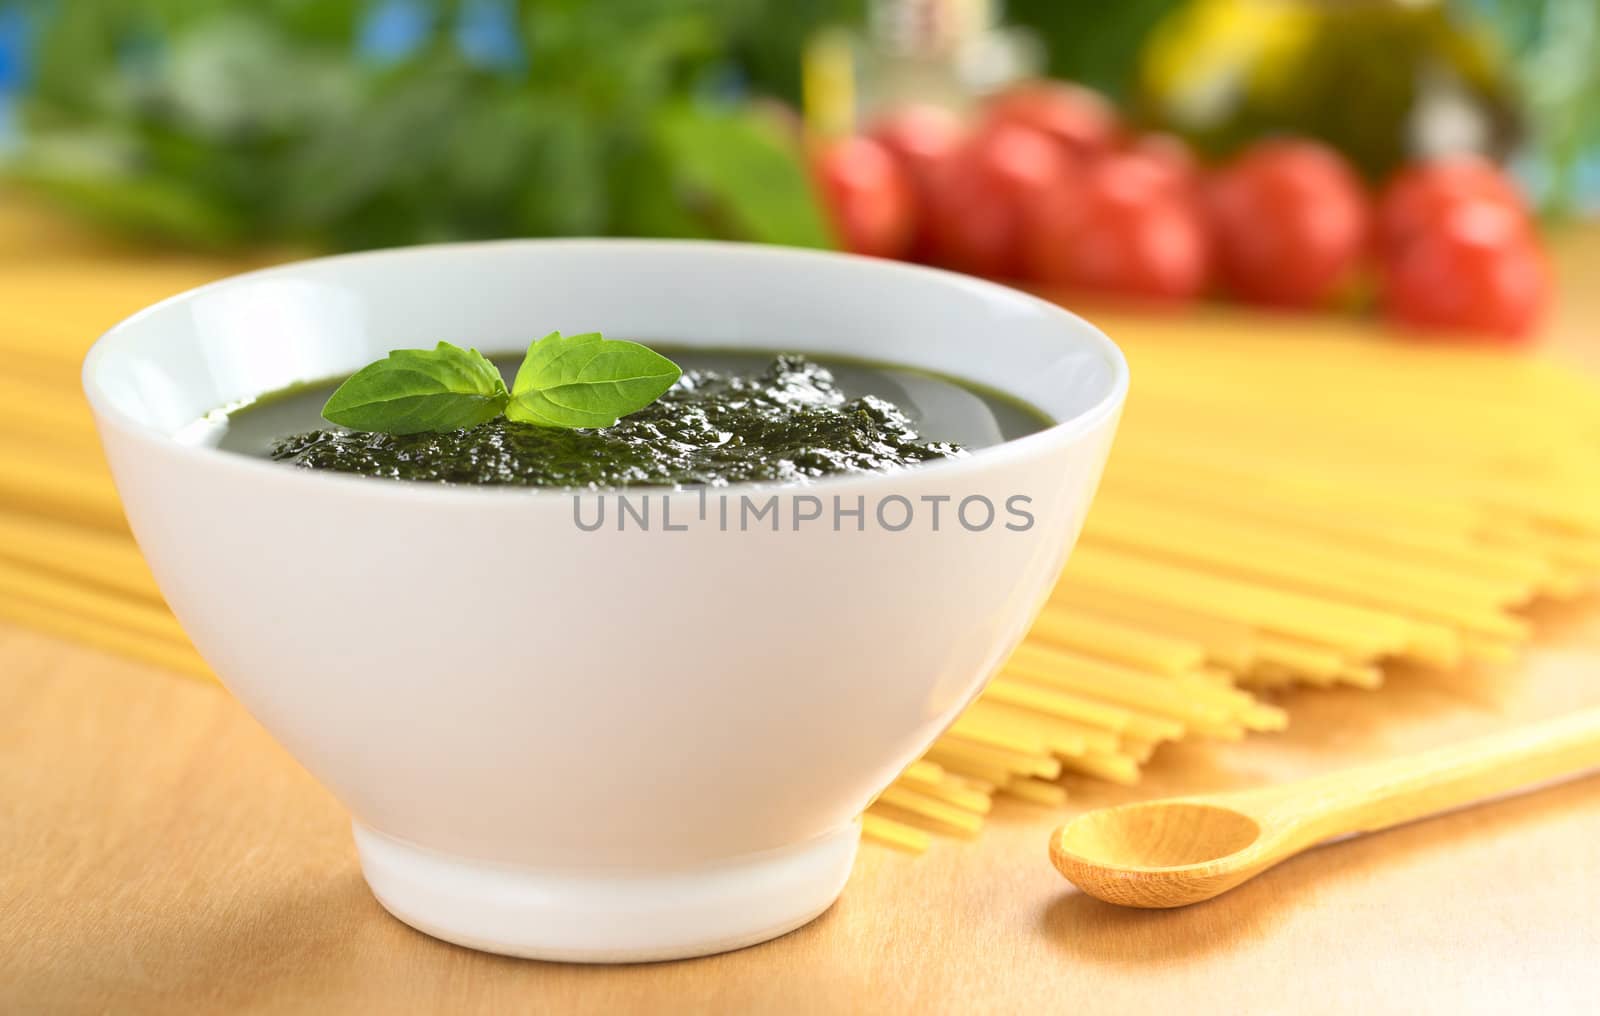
(145,206)
(222,122)
(745,168)
(74,57)
(1091,41)
(648,200)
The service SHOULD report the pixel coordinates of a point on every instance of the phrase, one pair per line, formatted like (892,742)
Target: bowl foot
(607,917)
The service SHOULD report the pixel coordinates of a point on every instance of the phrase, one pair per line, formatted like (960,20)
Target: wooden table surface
(159,853)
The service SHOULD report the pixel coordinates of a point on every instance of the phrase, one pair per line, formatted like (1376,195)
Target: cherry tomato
(1081,121)
(1133,234)
(982,199)
(1289,222)
(868,197)
(1477,268)
(1174,158)
(922,137)
(924,140)
(1416,197)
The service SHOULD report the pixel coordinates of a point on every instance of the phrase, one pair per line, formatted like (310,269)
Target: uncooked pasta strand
(894,834)
(1448,551)
(918,803)
(1227,643)
(1358,630)
(1114,768)
(1058,736)
(91,556)
(24,584)
(950,791)
(69,624)
(1114,640)
(1007,760)
(1039,792)
(1300,560)
(31,482)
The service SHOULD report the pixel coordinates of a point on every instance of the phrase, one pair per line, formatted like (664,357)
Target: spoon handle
(1383,794)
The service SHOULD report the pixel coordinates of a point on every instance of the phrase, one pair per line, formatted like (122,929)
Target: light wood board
(159,853)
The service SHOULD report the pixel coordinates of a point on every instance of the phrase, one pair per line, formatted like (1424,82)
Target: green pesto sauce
(732,417)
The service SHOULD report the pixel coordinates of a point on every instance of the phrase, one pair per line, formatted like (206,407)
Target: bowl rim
(205,456)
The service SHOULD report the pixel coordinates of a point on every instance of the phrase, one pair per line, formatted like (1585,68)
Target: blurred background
(1347,156)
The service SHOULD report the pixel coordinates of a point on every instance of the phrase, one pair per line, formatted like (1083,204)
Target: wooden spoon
(1182,850)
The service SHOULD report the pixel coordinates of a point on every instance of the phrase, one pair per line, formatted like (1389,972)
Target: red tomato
(868,197)
(1289,221)
(1169,154)
(1079,120)
(1477,268)
(1134,234)
(1417,196)
(982,200)
(924,139)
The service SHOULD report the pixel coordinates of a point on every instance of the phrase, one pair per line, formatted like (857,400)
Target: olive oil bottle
(1382,80)
(924,52)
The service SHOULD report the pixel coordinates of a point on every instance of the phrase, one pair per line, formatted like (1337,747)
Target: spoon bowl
(1160,853)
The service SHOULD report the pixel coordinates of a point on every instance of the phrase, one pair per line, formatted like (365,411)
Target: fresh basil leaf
(416,390)
(587,381)
(752,177)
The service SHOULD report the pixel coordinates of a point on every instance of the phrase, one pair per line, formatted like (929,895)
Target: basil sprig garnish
(564,381)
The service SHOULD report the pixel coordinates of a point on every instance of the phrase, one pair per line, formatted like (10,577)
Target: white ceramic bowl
(600,745)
